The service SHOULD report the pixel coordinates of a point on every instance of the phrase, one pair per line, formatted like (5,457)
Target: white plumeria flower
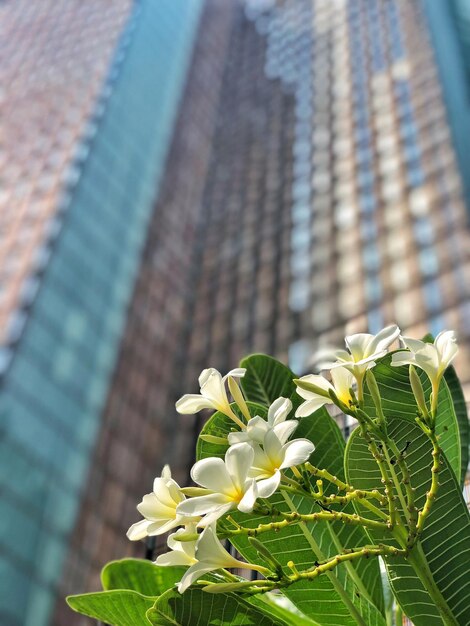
(213,394)
(228,485)
(181,552)
(363,349)
(433,358)
(341,385)
(210,555)
(362,352)
(276,455)
(257,427)
(159,509)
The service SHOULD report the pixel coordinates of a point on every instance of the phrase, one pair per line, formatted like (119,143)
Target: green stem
(350,568)
(419,563)
(373,494)
(340,590)
(323,473)
(434,400)
(374,509)
(357,494)
(406,480)
(379,459)
(432,493)
(295,518)
(396,483)
(330,564)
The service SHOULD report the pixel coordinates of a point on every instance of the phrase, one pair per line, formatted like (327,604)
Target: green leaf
(266,380)
(279,606)
(116,608)
(446,537)
(140,575)
(460,407)
(398,402)
(195,608)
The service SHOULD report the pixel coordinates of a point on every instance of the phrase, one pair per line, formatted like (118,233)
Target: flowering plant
(351,534)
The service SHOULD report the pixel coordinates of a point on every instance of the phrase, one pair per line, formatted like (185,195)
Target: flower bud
(265,554)
(238,397)
(303,384)
(418,391)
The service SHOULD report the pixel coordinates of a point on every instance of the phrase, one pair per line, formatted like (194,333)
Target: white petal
(415,345)
(212,474)
(167,491)
(428,360)
(450,354)
(370,360)
(138,530)
(446,345)
(174,558)
(174,492)
(205,375)
(193,403)
(201,505)
(403,358)
(247,503)
(166,472)
(257,428)
(162,527)
(153,509)
(238,372)
(344,360)
(357,345)
(192,574)
(239,459)
(213,388)
(182,552)
(383,339)
(313,379)
(296,452)
(285,429)
(269,485)
(214,515)
(342,379)
(241,436)
(309,407)
(279,410)
(209,550)
(273,448)
(262,465)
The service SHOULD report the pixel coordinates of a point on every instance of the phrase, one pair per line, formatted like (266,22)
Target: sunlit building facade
(196,181)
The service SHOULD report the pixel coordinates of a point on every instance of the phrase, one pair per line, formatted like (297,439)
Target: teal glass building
(63,345)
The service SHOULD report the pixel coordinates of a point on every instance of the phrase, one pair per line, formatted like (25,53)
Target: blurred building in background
(186,182)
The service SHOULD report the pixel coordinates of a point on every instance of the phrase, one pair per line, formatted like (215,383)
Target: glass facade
(55,387)
(379,228)
(449,24)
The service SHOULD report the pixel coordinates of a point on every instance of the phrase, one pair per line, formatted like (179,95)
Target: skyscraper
(90,94)
(186,182)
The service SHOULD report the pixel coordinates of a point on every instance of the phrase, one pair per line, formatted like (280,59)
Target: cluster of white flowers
(261,449)
(251,469)
(348,367)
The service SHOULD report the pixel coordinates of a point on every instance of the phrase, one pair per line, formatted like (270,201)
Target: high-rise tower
(186,182)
